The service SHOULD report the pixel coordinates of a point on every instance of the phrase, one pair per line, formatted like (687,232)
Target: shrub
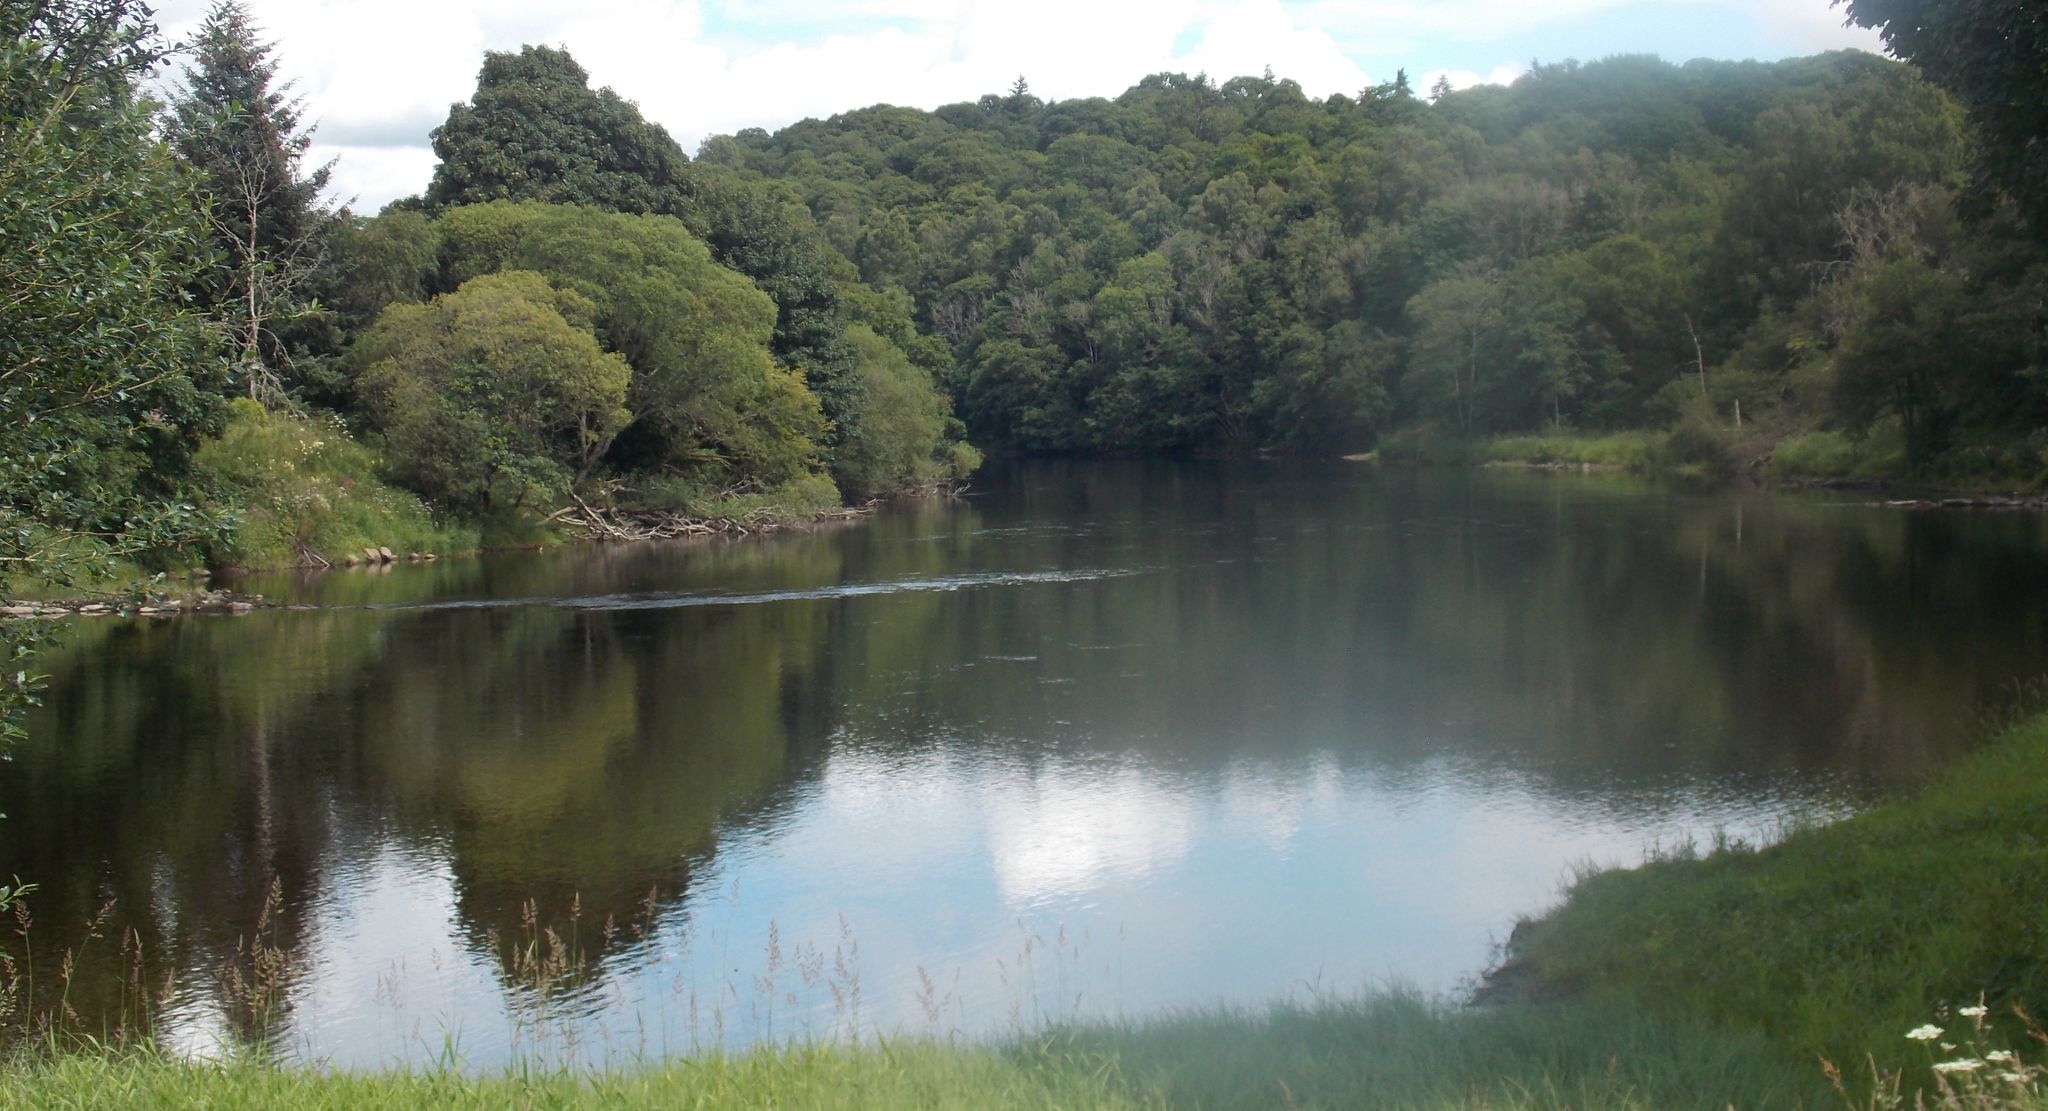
(306,492)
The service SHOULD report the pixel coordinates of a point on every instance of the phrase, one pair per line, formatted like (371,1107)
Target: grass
(310,495)
(1691,450)
(1401,1050)
(1789,976)
(1837,940)
(1635,452)
(1820,456)
(882,1076)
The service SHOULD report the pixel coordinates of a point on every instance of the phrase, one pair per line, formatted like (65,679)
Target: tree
(1454,322)
(906,426)
(245,137)
(705,390)
(1992,54)
(494,395)
(108,379)
(1898,356)
(756,230)
(535,130)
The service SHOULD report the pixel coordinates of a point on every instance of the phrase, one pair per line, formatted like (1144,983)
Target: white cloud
(1250,37)
(1398,26)
(1505,73)
(1809,28)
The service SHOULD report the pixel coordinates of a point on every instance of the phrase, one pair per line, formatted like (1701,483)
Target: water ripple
(681,599)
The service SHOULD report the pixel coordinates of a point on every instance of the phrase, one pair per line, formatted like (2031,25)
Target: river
(1099,740)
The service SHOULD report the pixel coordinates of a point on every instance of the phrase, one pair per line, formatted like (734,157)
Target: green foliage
(365,265)
(307,493)
(1628,451)
(770,238)
(495,395)
(1696,449)
(1238,267)
(246,142)
(1830,455)
(106,376)
(535,130)
(1991,55)
(905,441)
(1892,359)
(704,391)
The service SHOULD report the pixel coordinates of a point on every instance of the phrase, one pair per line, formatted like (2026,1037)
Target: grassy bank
(1690,451)
(1697,980)
(1835,941)
(907,1076)
(1695,450)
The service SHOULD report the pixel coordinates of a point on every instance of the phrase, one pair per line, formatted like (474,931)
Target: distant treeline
(1627,243)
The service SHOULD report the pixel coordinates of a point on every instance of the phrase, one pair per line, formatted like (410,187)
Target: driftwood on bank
(589,522)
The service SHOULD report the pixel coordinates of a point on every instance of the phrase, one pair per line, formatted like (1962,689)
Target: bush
(495,395)
(1696,449)
(1836,455)
(306,492)
(1629,451)
(800,499)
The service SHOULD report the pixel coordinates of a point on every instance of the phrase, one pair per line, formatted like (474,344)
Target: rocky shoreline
(208,602)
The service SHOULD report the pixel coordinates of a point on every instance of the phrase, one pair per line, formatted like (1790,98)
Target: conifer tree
(246,137)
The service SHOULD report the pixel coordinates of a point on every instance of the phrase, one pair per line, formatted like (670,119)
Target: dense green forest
(1622,244)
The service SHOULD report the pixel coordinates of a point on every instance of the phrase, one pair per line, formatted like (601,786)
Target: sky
(378,75)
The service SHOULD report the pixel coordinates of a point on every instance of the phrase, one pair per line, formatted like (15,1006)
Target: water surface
(1099,740)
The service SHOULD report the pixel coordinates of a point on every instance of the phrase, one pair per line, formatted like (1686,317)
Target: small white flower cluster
(2011,1070)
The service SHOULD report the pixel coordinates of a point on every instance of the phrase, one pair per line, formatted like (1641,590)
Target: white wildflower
(1967,1064)
(1973,1012)
(1924,1033)
(2002,1056)
(1948,1047)
(2012,1078)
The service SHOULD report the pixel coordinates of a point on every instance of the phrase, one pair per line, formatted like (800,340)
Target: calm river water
(1098,740)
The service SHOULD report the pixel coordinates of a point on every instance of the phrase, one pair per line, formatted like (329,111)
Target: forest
(1625,244)
(1830,264)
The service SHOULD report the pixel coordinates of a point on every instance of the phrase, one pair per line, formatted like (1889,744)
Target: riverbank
(1739,976)
(1975,477)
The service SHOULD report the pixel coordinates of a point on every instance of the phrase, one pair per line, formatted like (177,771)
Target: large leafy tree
(536,130)
(705,391)
(246,138)
(494,395)
(108,376)
(1993,55)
